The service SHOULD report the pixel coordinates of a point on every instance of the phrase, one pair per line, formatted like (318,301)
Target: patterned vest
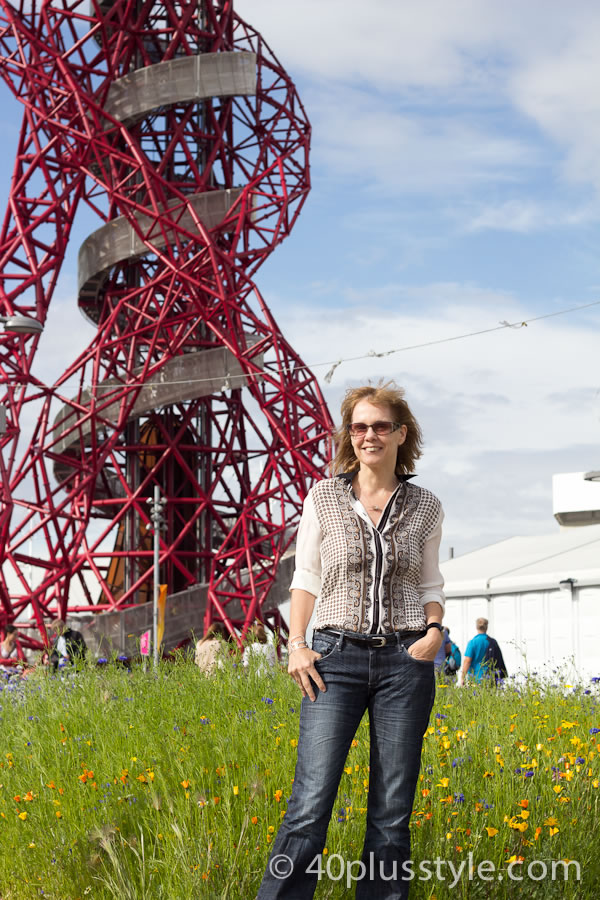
(360,568)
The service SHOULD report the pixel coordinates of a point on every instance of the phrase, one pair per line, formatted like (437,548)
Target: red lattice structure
(178,128)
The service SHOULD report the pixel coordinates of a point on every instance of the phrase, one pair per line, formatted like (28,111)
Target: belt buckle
(380,641)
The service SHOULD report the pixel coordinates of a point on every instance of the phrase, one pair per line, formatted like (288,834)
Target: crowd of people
(67,648)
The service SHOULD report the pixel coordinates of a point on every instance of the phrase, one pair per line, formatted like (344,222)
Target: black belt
(372,640)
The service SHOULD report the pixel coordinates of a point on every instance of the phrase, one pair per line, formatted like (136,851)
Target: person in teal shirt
(473,660)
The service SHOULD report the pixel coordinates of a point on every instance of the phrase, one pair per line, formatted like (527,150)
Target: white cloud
(558,92)
(443,65)
(364,138)
(524,216)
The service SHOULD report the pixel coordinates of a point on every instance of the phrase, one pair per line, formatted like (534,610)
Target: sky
(455,186)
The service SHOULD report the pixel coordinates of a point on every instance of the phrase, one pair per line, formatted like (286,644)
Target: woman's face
(376,450)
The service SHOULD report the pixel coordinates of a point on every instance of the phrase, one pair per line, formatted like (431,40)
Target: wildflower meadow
(169,784)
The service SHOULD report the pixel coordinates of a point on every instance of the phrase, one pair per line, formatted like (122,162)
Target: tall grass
(170,784)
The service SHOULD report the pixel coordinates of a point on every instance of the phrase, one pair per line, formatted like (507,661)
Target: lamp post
(157,507)
(21,325)
(17,325)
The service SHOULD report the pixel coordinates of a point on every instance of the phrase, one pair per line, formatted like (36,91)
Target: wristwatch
(437,625)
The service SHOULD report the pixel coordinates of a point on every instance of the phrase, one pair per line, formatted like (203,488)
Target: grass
(172,785)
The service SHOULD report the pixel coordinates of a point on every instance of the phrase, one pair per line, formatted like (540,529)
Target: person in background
(211,649)
(445,648)
(8,650)
(453,660)
(260,649)
(69,645)
(483,657)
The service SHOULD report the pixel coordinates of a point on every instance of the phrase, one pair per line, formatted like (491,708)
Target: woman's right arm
(301,664)
(304,589)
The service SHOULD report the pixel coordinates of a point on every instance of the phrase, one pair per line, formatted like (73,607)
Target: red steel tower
(175,125)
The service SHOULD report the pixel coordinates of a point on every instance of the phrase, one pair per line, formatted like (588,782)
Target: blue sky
(456,169)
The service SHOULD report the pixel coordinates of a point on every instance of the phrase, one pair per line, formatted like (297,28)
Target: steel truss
(176,125)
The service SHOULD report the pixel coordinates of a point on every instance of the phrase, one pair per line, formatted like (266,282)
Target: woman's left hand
(426,648)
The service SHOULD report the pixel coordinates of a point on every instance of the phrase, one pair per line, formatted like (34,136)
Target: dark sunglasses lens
(359,428)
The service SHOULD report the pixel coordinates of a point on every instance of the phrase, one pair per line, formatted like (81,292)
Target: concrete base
(119,632)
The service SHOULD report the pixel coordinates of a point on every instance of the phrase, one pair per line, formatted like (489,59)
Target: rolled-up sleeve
(432,581)
(307,574)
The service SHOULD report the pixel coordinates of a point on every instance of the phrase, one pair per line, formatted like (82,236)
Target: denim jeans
(398,692)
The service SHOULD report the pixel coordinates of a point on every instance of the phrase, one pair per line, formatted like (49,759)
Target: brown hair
(258,633)
(382,394)
(215,631)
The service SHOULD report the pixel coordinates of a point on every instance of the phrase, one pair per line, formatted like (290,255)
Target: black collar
(348,476)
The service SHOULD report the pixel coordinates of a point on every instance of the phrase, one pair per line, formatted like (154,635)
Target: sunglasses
(357,429)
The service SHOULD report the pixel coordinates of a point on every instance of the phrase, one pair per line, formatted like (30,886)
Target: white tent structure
(541,595)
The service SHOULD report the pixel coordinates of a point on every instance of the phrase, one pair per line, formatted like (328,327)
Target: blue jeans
(398,692)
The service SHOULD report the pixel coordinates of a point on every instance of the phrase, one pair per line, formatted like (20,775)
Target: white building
(541,595)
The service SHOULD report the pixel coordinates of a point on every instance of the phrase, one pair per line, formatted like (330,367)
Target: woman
(260,650)
(367,548)
(210,651)
(8,650)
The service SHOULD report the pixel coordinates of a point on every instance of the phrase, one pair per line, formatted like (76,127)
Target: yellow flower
(23,815)
(185,784)
(58,814)
(236,790)
(491,831)
(554,831)
(443,782)
(551,821)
